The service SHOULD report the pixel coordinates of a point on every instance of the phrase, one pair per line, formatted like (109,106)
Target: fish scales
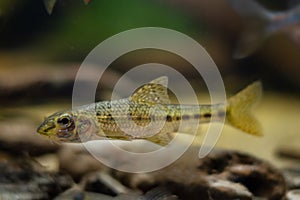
(124,110)
(147,114)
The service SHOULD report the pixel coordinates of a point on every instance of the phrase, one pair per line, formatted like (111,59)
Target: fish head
(67,126)
(60,127)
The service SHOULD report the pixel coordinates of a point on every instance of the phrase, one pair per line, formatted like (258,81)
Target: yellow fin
(153,92)
(240,106)
(162,139)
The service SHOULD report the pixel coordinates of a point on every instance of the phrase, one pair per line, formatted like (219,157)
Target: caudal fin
(256,20)
(239,111)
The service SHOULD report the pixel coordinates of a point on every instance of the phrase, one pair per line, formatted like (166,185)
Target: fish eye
(64,121)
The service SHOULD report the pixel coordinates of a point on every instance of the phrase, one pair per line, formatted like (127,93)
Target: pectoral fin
(162,139)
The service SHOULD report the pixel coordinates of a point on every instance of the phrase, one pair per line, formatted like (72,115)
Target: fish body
(261,23)
(147,114)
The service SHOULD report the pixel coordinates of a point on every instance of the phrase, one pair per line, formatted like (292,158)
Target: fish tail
(250,8)
(239,110)
(257,22)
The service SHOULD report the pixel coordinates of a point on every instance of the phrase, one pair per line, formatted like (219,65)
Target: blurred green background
(30,34)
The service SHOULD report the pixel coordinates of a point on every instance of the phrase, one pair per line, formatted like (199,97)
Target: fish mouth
(44,128)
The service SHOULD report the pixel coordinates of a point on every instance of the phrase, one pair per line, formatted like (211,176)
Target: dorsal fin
(153,92)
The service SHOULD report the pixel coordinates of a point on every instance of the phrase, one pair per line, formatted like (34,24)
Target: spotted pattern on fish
(148,114)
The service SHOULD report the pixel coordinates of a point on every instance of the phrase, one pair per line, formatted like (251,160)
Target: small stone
(293,195)
(102,182)
(77,161)
(231,190)
(158,193)
(292,177)
(21,178)
(258,176)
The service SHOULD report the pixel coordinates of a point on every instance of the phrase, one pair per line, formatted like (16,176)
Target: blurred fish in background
(49,5)
(261,23)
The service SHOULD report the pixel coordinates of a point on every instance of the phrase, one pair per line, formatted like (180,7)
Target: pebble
(293,195)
